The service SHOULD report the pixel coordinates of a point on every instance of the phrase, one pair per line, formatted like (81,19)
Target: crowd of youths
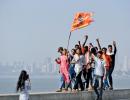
(87,67)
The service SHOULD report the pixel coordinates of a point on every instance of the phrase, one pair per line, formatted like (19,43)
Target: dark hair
(21,81)
(60,49)
(96,48)
(99,52)
(76,45)
(86,48)
(27,77)
(94,51)
(73,50)
(104,48)
(79,50)
(109,46)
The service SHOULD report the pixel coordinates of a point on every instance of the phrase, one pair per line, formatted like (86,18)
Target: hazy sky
(31,30)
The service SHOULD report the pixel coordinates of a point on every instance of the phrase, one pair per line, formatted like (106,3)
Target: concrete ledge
(107,95)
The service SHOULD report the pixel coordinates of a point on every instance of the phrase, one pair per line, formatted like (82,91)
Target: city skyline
(49,67)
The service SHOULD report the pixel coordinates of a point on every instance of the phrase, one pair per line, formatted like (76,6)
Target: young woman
(71,68)
(62,82)
(23,85)
(64,67)
(79,61)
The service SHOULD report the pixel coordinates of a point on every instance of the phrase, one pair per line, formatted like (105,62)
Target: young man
(82,46)
(108,61)
(99,73)
(112,55)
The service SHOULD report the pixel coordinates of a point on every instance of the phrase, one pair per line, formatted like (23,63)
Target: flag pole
(68,41)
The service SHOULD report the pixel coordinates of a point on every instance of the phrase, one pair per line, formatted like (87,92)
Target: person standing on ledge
(62,85)
(64,68)
(79,61)
(23,85)
(112,55)
(99,74)
(108,61)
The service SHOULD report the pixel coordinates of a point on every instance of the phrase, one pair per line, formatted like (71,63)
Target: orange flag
(81,20)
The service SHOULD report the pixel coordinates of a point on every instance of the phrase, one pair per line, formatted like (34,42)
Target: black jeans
(110,76)
(79,82)
(89,77)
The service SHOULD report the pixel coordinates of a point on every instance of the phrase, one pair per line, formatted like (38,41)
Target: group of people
(87,67)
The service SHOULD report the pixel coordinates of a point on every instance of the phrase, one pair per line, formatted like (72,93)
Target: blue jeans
(71,71)
(62,82)
(105,83)
(92,74)
(72,75)
(98,85)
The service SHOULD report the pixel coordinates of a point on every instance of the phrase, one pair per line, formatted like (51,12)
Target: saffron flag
(81,20)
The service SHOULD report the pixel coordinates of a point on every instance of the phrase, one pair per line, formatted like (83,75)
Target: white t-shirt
(99,66)
(110,53)
(24,95)
(79,62)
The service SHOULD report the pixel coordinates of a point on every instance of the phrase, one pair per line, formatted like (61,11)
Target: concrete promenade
(107,95)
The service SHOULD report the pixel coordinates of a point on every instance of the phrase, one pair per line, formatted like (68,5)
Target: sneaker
(74,91)
(110,88)
(60,90)
(64,90)
(79,89)
(69,89)
(90,89)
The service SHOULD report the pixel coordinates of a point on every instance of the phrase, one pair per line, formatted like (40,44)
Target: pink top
(64,64)
(64,67)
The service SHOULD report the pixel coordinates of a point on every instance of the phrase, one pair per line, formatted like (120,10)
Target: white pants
(24,96)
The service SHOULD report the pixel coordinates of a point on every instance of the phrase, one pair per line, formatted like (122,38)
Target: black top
(113,56)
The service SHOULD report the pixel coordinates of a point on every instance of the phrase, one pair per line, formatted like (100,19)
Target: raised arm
(79,44)
(82,48)
(90,45)
(99,46)
(86,38)
(115,49)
